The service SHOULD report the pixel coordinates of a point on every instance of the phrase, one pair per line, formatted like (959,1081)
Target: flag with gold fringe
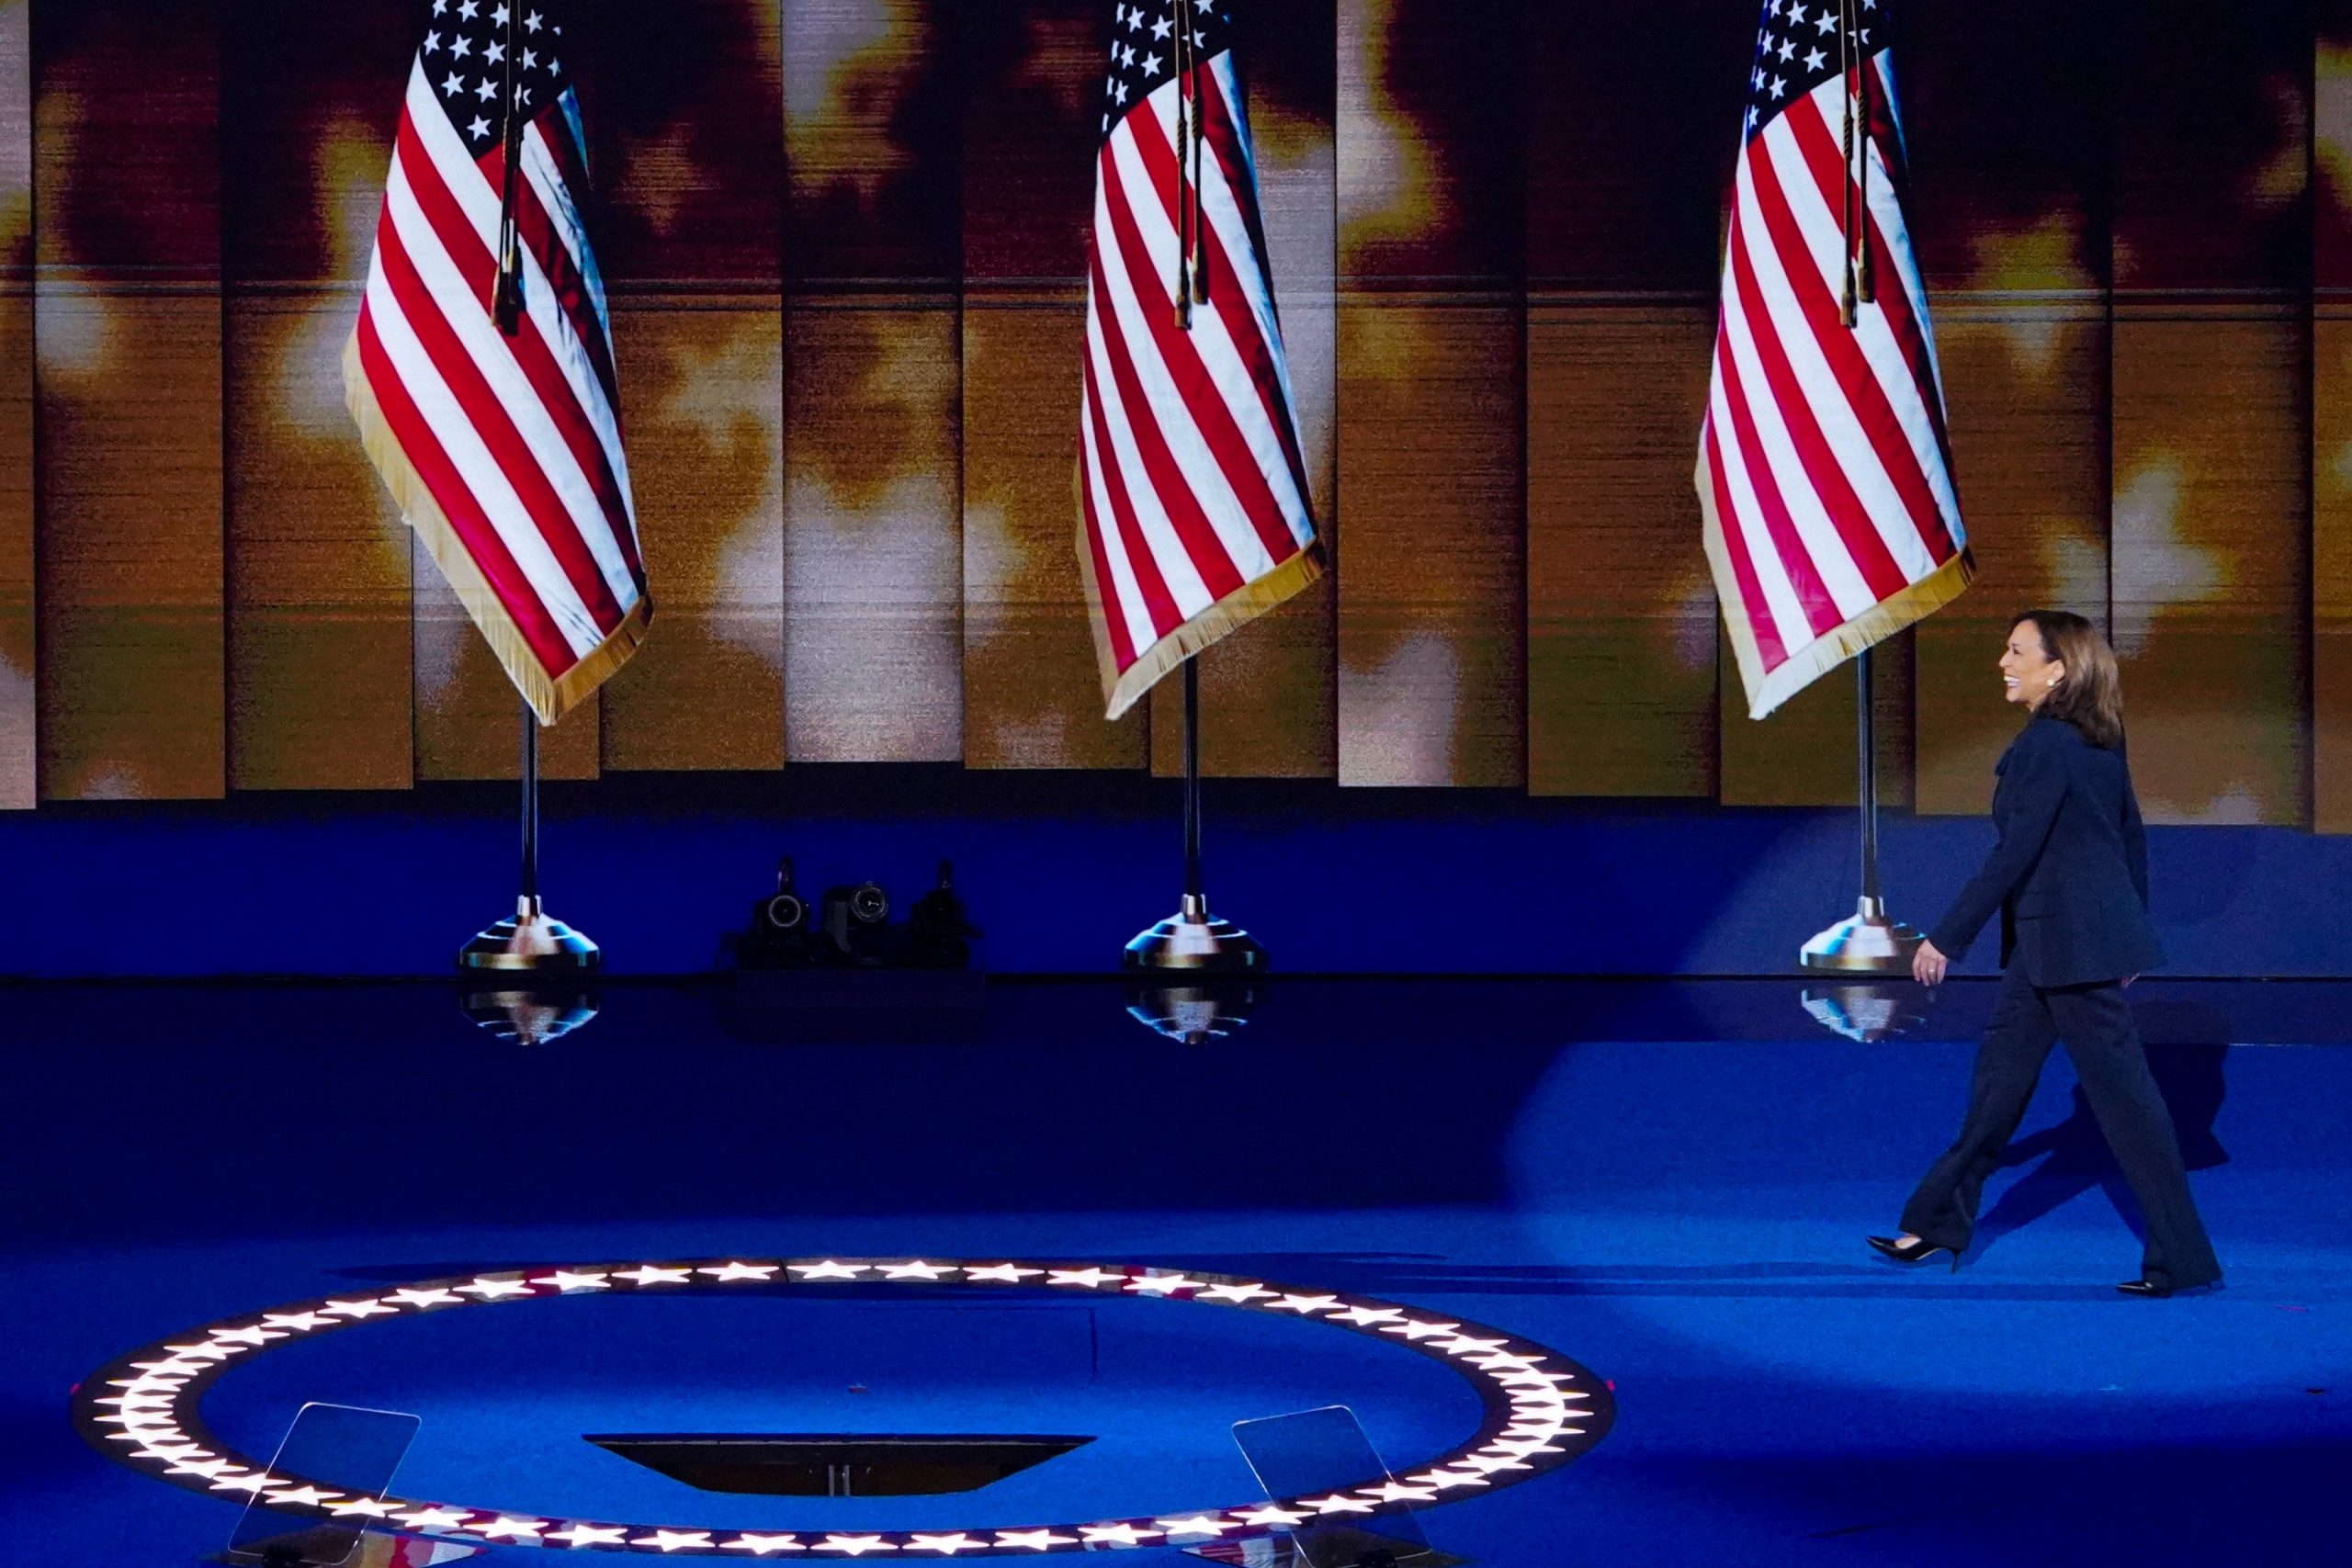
(1194,516)
(481,373)
(1824,467)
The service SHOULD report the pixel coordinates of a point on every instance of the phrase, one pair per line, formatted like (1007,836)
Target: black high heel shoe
(1917,1250)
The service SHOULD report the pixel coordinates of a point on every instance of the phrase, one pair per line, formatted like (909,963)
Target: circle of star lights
(1541,1410)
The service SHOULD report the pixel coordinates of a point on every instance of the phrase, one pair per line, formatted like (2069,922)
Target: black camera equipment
(856,922)
(777,937)
(941,928)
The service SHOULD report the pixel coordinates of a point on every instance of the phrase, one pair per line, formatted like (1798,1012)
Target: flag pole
(530,941)
(1868,942)
(1192,939)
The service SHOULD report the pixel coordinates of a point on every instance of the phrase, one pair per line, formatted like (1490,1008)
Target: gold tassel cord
(506,292)
(1184,51)
(1850,312)
(1862,112)
(1200,134)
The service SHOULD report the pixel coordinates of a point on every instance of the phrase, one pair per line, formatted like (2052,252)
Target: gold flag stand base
(1194,939)
(531,941)
(1866,943)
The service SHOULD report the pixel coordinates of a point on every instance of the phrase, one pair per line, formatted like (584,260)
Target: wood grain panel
(1431,352)
(1268,694)
(702,378)
(1805,753)
(1621,613)
(872,128)
(874,554)
(2332,422)
(2212,409)
(2025,383)
(2332,570)
(1032,696)
(2212,509)
(873,545)
(127,425)
(321,689)
(467,713)
(1432,607)
(18,743)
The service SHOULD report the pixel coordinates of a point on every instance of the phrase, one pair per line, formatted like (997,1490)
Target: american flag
(1193,495)
(1825,467)
(503,447)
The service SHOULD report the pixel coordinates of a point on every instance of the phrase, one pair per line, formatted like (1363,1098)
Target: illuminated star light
(829,1270)
(423,1299)
(1490,1464)
(302,1497)
(1305,1306)
(946,1545)
(675,1540)
(1335,1504)
(1197,1524)
(372,1508)
(1235,1294)
(761,1545)
(590,1535)
(297,1322)
(1010,1273)
(252,1334)
(1085,1279)
(732,1271)
(212,1350)
(1462,1345)
(1416,1330)
(1116,1535)
(1162,1285)
(565,1281)
(1397,1492)
(247,1483)
(1272,1514)
(1035,1540)
(648,1274)
(855,1545)
(1445,1480)
(489,1289)
(504,1527)
(1367,1317)
(356,1310)
(436,1518)
(917,1269)
(210,1468)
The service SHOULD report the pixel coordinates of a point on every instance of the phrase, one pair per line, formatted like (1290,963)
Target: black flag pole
(1192,939)
(530,942)
(1869,943)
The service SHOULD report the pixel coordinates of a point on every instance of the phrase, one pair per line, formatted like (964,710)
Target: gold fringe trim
(550,698)
(1229,614)
(1826,653)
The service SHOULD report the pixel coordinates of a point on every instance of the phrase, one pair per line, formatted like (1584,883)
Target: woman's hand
(1927,965)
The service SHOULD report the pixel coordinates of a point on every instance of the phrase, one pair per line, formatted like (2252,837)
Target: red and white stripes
(505,453)
(1192,491)
(1825,470)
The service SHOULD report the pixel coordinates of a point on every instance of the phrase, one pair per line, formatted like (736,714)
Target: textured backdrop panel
(19,730)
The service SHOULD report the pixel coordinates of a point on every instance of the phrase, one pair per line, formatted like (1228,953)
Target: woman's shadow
(2187,1047)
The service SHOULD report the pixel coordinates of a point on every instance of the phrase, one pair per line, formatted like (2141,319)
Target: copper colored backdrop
(843,238)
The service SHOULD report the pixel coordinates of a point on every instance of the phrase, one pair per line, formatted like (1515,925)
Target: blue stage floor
(1669,1183)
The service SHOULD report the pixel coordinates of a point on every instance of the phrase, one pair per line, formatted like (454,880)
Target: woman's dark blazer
(2070,874)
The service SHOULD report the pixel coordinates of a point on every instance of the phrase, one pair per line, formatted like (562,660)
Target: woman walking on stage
(2070,879)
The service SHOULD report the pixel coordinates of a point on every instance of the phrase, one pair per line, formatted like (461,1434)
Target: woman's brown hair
(2090,696)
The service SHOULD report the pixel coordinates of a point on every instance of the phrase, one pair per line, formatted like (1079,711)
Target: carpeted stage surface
(1669,1183)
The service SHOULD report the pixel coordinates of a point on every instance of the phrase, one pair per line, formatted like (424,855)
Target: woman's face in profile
(2027,669)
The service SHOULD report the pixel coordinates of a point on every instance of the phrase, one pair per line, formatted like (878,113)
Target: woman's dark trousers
(2105,1047)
